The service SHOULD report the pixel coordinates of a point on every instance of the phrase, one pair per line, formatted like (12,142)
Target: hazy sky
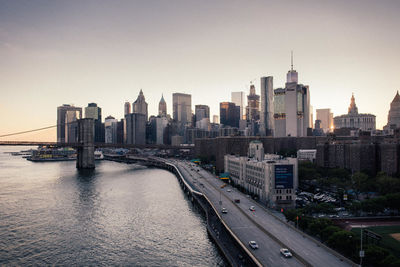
(76,52)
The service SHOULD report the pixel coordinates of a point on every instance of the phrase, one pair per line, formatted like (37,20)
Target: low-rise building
(307,155)
(270,177)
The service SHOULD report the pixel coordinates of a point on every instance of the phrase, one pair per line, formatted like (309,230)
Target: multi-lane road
(258,225)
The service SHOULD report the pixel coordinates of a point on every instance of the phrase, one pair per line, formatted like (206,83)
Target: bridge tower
(85,149)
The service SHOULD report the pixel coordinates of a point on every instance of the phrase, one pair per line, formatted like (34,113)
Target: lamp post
(361,250)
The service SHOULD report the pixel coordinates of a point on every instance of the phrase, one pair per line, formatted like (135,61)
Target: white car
(224,210)
(286,253)
(253,245)
(229,190)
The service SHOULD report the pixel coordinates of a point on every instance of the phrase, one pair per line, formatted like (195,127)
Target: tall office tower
(111,130)
(61,112)
(71,125)
(161,125)
(135,128)
(202,112)
(92,111)
(239,98)
(267,121)
(253,105)
(140,105)
(127,108)
(292,75)
(215,119)
(162,107)
(182,108)
(229,114)
(326,119)
(353,119)
(394,114)
(292,107)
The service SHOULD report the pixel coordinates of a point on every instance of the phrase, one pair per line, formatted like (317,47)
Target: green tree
(374,255)
(318,225)
(360,183)
(387,184)
(344,242)
(328,231)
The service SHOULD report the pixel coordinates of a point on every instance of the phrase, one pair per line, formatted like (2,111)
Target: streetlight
(361,250)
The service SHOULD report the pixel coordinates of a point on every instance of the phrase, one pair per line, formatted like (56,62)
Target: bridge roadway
(253,225)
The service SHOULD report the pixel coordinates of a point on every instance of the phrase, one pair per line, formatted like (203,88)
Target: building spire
(292,59)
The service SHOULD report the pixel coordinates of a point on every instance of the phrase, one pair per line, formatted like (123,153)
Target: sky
(77,52)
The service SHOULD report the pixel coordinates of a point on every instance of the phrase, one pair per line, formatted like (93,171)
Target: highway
(254,225)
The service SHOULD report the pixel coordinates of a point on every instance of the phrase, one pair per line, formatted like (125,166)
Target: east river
(52,214)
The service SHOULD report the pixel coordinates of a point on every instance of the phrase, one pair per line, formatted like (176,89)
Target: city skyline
(66,53)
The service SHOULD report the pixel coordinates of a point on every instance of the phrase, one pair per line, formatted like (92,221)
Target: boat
(98,155)
(52,154)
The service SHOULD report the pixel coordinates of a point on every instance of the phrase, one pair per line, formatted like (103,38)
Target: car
(286,253)
(224,210)
(229,190)
(252,208)
(237,200)
(253,245)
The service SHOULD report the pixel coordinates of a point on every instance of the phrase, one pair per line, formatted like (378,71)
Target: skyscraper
(267,121)
(111,128)
(135,128)
(140,105)
(92,111)
(202,112)
(71,125)
(61,120)
(292,107)
(239,98)
(182,108)
(229,114)
(325,117)
(127,108)
(162,107)
(253,105)
(394,114)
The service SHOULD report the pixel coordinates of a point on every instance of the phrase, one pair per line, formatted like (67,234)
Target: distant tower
(127,108)
(162,107)
(394,113)
(353,108)
(253,105)
(140,105)
(292,75)
(267,107)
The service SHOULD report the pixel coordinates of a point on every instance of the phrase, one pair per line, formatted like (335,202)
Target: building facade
(292,108)
(182,108)
(229,114)
(71,126)
(325,116)
(111,130)
(127,108)
(162,107)
(253,105)
(92,111)
(267,122)
(353,119)
(140,105)
(270,177)
(394,114)
(135,129)
(61,120)
(239,99)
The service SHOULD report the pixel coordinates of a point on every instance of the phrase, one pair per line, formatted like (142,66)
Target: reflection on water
(117,214)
